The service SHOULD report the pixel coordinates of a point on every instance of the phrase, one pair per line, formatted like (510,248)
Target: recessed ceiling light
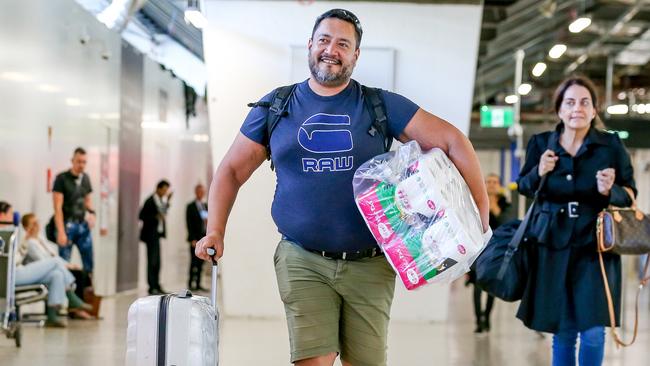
(557,51)
(539,69)
(617,109)
(579,24)
(512,99)
(524,89)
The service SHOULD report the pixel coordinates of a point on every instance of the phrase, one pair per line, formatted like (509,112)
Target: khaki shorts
(335,305)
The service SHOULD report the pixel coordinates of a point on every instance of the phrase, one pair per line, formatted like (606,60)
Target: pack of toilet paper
(422,214)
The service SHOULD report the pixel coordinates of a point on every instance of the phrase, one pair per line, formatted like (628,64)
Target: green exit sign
(496,116)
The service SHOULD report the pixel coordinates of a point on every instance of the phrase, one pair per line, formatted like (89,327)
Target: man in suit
(196,216)
(153,215)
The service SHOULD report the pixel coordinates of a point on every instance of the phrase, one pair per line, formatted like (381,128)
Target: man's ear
(309,43)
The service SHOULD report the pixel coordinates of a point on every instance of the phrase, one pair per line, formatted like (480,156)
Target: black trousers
(482,315)
(153,263)
(196,265)
(82,280)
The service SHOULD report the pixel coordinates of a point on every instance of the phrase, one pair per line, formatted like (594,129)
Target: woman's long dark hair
(584,82)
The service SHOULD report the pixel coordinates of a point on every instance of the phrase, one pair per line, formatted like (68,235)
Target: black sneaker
(486,324)
(479,328)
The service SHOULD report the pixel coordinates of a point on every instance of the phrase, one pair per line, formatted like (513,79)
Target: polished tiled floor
(247,342)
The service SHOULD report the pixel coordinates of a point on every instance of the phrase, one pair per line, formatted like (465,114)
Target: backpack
(278,109)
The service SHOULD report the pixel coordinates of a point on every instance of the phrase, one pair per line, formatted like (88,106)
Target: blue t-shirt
(316,149)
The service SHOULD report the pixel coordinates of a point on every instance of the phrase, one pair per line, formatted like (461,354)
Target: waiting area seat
(13,297)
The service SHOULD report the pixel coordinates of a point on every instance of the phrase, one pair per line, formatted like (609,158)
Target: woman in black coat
(587,169)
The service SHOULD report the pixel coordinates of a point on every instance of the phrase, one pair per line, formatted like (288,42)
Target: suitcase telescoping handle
(213,288)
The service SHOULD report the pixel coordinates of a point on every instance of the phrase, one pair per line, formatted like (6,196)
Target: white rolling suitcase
(174,329)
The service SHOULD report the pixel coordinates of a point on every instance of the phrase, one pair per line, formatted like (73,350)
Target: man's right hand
(212,240)
(61,238)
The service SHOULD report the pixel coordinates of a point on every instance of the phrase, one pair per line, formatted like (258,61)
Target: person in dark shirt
(74,216)
(337,288)
(196,216)
(152,215)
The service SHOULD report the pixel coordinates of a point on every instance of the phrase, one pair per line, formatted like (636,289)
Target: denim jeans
(79,234)
(50,272)
(592,347)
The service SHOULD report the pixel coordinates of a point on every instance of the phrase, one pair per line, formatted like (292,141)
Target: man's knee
(325,360)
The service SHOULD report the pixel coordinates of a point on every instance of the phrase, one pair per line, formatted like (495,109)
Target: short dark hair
(26,219)
(79,150)
(4,207)
(162,184)
(344,15)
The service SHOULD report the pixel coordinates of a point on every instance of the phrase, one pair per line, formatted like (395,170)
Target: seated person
(50,272)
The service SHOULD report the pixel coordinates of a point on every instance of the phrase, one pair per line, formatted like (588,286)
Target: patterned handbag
(623,231)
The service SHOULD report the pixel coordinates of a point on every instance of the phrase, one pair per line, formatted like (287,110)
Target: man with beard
(336,286)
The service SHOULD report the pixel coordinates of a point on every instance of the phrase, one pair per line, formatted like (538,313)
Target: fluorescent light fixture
(641,109)
(73,102)
(539,69)
(194,16)
(579,24)
(111,115)
(557,51)
(524,89)
(512,99)
(49,88)
(201,138)
(154,125)
(94,116)
(15,76)
(617,109)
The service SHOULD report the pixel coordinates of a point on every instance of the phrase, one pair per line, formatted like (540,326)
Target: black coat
(149,217)
(565,288)
(195,224)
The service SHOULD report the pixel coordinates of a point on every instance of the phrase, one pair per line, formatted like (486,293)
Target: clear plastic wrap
(422,214)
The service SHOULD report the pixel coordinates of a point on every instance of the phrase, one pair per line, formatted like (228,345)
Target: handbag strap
(610,303)
(514,243)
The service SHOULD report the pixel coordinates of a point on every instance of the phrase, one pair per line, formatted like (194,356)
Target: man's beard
(329,78)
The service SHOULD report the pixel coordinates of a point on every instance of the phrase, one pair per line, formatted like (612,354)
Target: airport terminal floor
(254,342)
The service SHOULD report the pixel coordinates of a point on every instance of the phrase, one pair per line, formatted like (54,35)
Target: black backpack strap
(377,110)
(277,109)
